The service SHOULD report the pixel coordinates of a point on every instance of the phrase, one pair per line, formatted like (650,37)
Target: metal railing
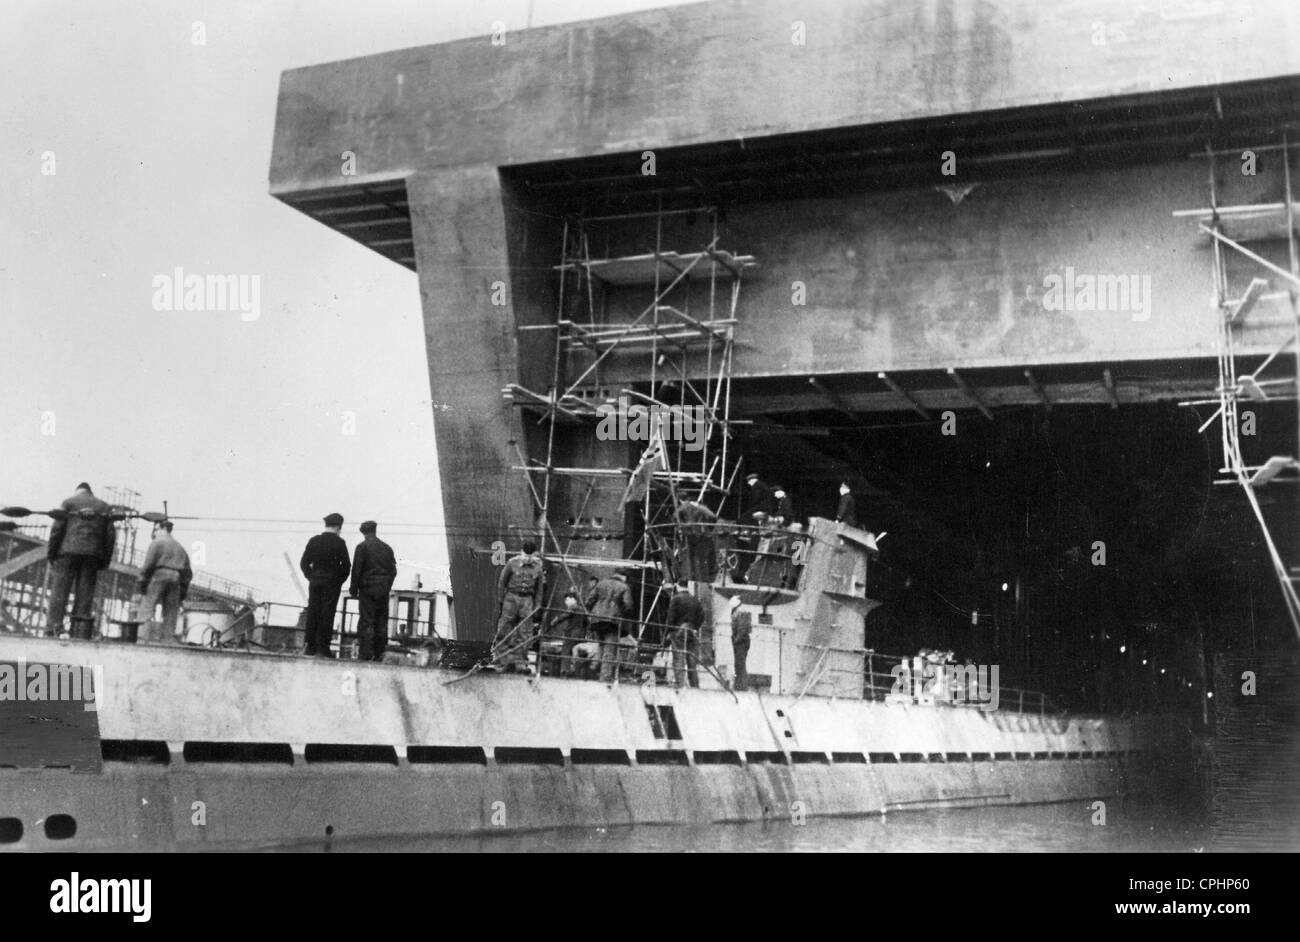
(883,685)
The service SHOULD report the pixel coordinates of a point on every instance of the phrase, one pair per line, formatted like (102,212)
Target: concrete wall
(674,76)
(906,280)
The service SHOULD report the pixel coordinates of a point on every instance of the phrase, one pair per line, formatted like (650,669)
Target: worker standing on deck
(847,511)
(741,628)
(609,602)
(164,579)
(520,591)
(81,544)
(570,627)
(374,568)
(325,564)
(685,619)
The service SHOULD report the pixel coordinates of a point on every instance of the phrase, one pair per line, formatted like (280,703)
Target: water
(1065,827)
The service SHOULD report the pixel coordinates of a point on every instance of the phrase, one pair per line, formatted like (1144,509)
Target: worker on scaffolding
(609,602)
(685,620)
(697,556)
(164,580)
(569,627)
(81,544)
(520,591)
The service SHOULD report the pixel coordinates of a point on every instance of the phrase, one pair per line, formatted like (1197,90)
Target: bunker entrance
(1086,549)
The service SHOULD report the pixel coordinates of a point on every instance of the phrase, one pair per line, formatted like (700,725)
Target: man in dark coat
(741,628)
(685,619)
(374,567)
(325,564)
(760,499)
(847,511)
(609,603)
(81,544)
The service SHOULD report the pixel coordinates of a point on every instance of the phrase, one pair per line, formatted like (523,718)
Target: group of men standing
(598,628)
(772,506)
(326,567)
(83,536)
(81,544)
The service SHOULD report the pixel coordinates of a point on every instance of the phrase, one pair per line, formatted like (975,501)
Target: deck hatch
(717,757)
(368,754)
(446,755)
(140,751)
(661,757)
(11,830)
(599,757)
(527,755)
(251,753)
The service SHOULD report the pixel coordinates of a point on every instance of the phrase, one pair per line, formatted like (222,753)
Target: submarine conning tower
(807,600)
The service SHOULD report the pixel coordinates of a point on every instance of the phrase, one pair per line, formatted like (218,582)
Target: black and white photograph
(638,427)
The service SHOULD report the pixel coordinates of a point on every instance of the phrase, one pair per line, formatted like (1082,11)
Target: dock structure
(940,207)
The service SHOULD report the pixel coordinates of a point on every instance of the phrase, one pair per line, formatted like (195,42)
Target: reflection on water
(1069,826)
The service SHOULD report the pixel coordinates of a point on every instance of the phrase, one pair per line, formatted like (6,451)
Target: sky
(127,151)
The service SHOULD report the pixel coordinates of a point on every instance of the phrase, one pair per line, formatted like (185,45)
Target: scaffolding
(683,334)
(1229,229)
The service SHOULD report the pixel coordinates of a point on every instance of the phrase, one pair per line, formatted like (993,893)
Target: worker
(685,619)
(783,514)
(697,559)
(164,579)
(609,603)
(325,564)
(847,511)
(81,544)
(741,627)
(759,507)
(569,626)
(760,498)
(520,592)
(374,569)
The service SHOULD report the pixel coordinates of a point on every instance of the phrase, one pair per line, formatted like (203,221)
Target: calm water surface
(1068,826)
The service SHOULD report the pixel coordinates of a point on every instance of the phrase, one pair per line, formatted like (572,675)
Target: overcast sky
(160,155)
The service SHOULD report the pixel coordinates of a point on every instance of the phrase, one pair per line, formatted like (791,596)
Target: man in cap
(164,578)
(847,511)
(741,627)
(520,592)
(685,619)
(570,628)
(609,602)
(760,498)
(783,515)
(759,507)
(81,544)
(325,564)
(374,567)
